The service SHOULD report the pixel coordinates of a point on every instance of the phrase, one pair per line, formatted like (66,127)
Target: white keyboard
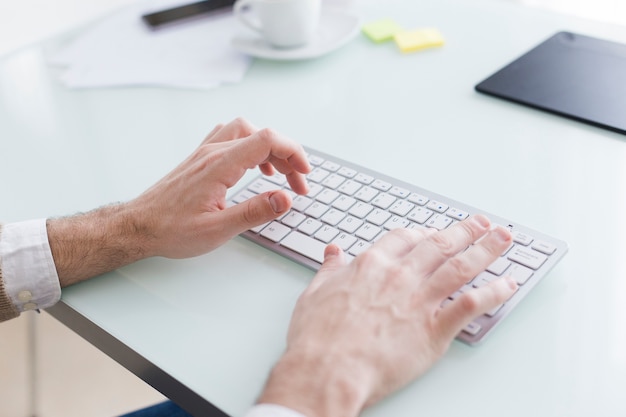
(353,206)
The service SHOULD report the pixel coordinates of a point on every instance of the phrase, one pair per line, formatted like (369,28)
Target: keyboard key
(396,222)
(326,234)
(317,175)
(360,210)
(301,202)
(378,217)
(293,218)
(327,196)
(483,278)
(275,231)
(368,232)
(522,238)
(305,245)
(343,203)
(437,206)
(419,215)
(350,224)
(364,178)
(494,310)
(472,328)
(349,187)
(344,241)
(381,185)
(527,257)
(331,166)
(520,273)
(399,192)
(261,186)
(499,266)
(544,247)
(316,210)
(315,160)
(366,194)
(243,196)
(260,227)
(277,178)
(359,247)
(347,172)
(333,216)
(439,221)
(384,200)
(418,199)
(401,208)
(314,189)
(309,226)
(333,181)
(457,214)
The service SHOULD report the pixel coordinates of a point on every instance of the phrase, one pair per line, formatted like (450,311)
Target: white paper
(121,50)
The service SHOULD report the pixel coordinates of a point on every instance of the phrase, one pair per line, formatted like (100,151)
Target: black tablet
(571,75)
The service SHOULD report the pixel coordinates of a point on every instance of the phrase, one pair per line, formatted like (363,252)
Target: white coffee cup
(282,23)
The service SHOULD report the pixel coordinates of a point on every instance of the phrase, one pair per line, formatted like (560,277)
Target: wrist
(318,385)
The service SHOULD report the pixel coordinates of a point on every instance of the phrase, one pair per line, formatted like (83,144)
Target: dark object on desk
(201,8)
(572,75)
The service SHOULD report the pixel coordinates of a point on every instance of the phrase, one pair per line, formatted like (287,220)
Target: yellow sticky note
(381,30)
(415,40)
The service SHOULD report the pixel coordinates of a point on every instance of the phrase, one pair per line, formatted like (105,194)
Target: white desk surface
(214,325)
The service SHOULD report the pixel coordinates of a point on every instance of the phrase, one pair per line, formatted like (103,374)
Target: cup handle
(238,10)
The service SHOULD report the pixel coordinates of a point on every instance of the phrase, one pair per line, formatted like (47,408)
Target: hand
(186,211)
(364,329)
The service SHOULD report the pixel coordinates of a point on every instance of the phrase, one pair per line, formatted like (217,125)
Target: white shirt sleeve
(271,410)
(30,276)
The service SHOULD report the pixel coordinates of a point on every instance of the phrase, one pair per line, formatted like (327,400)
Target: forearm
(89,244)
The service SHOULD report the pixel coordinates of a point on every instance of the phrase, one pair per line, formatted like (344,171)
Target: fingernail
(502,234)
(277,203)
(511,282)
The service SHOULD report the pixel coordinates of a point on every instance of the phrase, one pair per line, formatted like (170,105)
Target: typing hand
(186,211)
(363,330)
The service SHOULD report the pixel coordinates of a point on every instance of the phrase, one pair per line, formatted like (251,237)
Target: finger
(236,129)
(254,211)
(268,146)
(457,314)
(334,259)
(212,134)
(437,248)
(399,242)
(463,267)
(267,169)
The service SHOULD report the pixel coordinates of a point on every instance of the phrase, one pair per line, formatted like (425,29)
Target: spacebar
(305,245)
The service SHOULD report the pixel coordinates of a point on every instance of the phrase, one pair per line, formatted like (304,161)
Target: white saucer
(336,28)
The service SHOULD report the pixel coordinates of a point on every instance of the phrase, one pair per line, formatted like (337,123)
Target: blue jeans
(165,409)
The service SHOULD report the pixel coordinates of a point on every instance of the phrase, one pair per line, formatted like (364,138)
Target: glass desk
(206,331)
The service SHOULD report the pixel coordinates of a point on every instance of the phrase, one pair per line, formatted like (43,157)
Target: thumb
(256,210)
(334,259)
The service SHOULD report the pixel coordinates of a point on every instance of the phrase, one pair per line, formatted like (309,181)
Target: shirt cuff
(30,276)
(272,410)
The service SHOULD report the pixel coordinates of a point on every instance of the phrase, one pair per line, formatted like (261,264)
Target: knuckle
(266,135)
(470,303)
(241,123)
(252,213)
(444,244)
(460,268)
